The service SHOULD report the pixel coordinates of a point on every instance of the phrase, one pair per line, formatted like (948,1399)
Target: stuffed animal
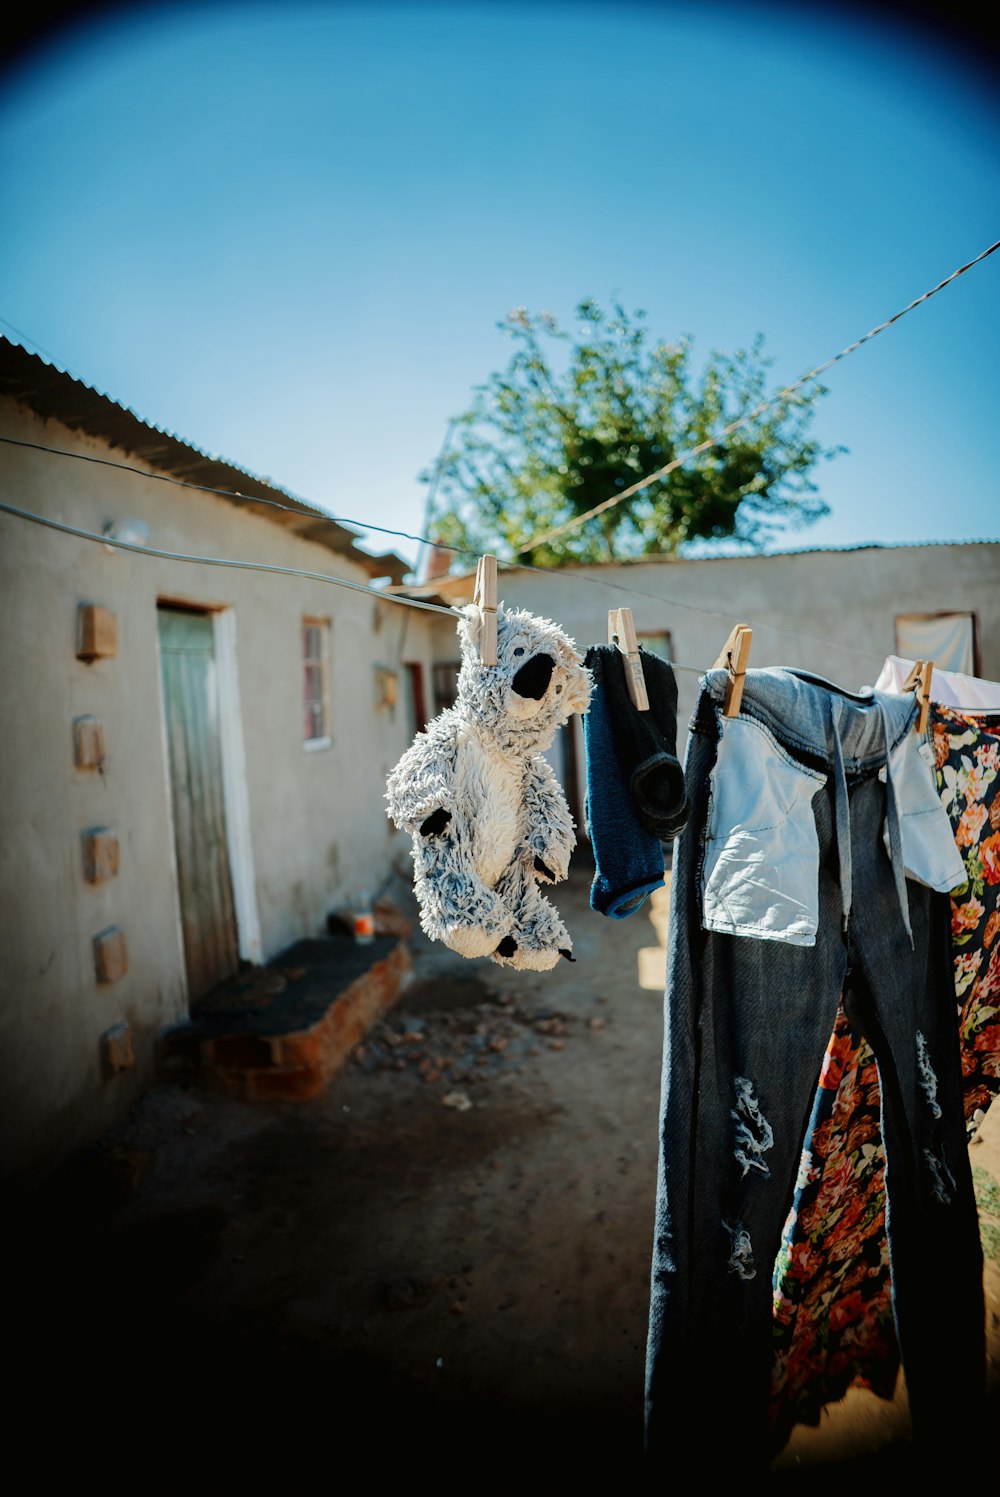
(488,818)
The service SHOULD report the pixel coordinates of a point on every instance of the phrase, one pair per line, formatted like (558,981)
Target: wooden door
(191,703)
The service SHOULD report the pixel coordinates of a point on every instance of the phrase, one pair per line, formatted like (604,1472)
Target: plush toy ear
(470,628)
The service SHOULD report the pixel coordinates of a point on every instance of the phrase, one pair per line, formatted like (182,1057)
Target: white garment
(948,688)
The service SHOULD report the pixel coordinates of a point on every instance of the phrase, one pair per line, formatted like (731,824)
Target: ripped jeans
(747,1018)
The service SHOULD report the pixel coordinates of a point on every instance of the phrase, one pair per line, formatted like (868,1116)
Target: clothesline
(758,410)
(382,596)
(578,520)
(211,561)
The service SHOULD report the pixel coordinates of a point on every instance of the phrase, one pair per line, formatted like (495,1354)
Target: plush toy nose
(532,680)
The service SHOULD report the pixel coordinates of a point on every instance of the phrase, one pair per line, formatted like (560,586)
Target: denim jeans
(746,1022)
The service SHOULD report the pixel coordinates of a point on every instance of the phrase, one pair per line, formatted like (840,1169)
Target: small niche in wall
(110,955)
(386,686)
(88,743)
(96,633)
(118,1051)
(100,854)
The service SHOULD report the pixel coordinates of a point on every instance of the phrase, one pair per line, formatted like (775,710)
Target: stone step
(281,1032)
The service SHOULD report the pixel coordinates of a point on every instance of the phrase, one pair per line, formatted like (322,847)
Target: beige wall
(831,612)
(317,819)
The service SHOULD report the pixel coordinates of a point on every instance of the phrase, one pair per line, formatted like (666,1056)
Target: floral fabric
(833,1324)
(967,763)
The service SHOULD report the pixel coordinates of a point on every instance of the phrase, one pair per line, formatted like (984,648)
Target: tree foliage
(546,440)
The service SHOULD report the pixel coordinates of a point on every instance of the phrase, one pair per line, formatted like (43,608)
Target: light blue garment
(760,875)
(930,853)
(761,870)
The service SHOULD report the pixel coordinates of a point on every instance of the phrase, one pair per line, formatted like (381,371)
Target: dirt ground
(439,1265)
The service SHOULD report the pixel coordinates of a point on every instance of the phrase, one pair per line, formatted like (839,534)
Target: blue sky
(287,233)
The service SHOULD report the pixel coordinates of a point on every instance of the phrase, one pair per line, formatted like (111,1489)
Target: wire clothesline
(216,561)
(562,572)
(577,520)
(376,593)
(406,601)
(783,394)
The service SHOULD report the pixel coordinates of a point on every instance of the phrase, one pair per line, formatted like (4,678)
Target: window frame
(645,635)
(414,672)
(443,699)
(322,662)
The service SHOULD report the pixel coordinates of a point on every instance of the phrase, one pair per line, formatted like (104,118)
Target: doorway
(194,752)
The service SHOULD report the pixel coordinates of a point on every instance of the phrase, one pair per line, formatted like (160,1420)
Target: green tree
(546,440)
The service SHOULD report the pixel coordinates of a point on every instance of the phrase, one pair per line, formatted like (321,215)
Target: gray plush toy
(488,818)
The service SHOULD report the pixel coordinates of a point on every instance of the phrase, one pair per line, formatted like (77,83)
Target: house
(837,613)
(195,751)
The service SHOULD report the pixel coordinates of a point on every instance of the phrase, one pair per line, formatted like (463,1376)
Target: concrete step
(281,1032)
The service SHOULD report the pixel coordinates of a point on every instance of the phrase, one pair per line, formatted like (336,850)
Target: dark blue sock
(629,859)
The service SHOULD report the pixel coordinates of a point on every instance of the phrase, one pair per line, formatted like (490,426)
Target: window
(416,717)
(949,639)
(316,682)
(446,684)
(657,644)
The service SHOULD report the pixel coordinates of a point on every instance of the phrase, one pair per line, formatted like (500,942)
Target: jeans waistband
(796,707)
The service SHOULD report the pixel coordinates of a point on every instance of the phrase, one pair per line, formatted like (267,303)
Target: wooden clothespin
(734,657)
(919,680)
(485,596)
(621,632)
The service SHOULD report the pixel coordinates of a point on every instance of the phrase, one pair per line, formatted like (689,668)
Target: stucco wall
(317,821)
(826,611)
(831,612)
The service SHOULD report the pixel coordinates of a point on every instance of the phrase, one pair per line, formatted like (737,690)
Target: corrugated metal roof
(457,586)
(831,550)
(54,394)
(450,579)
